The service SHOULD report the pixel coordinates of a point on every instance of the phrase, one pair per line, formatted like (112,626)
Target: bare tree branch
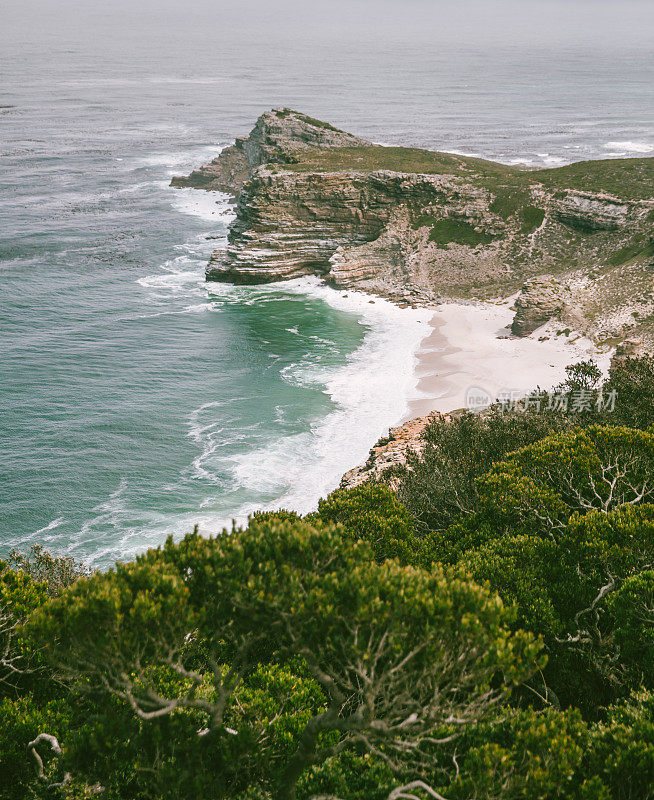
(402,792)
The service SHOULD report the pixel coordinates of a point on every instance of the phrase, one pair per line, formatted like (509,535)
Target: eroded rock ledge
(390,451)
(416,225)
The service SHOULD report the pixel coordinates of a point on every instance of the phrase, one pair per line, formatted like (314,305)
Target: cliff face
(290,224)
(414,224)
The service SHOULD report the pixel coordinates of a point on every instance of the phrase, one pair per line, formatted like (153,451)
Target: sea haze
(137,401)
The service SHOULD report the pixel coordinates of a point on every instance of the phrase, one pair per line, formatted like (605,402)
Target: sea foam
(630,147)
(369,394)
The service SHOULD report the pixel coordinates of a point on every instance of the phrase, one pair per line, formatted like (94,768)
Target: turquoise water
(136,400)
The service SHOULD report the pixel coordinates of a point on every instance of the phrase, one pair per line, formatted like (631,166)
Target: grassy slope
(629,178)
(397,159)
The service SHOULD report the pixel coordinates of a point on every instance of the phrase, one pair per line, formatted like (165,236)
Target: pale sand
(464,352)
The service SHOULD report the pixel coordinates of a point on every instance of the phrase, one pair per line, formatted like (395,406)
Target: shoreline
(470,349)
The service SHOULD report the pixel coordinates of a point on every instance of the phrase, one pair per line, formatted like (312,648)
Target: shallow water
(136,400)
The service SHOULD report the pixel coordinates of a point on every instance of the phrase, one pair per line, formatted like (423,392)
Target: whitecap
(630,147)
(552,161)
(175,160)
(56,523)
(176,281)
(464,153)
(212,206)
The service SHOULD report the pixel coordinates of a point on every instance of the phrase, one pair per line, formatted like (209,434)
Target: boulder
(539,301)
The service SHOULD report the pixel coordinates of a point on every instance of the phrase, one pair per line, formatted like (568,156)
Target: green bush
(538,488)
(306,657)
(632,609)
(453,231)
(586,592)
(632,381)
(439,486)
(620,757)
(528,757)
(532,218)
(286,643)
(373,513)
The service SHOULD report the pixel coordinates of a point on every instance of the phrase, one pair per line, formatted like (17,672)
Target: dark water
(135,400)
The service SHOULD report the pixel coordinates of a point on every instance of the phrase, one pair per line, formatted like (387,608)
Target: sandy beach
(470,352)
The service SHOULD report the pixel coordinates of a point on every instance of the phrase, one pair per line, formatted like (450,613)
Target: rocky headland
(576,242)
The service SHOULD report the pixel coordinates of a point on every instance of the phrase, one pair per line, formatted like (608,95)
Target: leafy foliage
(632,609)
(440,485)
(578,592)
(452,231)
(57,572)
(19,597)
(373,513)
(396,654)
(632,380)
(21,720)
(537,489)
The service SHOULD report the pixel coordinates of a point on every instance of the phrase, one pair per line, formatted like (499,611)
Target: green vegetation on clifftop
(628,178)
(445,231)
(396,159)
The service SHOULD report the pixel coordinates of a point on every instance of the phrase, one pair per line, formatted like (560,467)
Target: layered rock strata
(540,299)
(279,136)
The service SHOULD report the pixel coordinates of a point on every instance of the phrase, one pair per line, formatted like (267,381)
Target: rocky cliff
(279,136)
(415,225)
(390,451)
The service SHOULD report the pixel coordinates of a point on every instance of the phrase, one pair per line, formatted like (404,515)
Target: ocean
(135,399)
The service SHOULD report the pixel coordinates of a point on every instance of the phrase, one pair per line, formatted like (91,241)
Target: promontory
(418,226)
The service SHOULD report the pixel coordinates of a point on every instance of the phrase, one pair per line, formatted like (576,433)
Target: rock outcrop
(416,225)
(390,451)
(590,212)
(279,136)
(540,300)
(290,224)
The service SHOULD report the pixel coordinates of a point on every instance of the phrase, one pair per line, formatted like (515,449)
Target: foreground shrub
(374,514)
(564,531)
(439,486)
(397,655)
(537,489)
(632,381)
